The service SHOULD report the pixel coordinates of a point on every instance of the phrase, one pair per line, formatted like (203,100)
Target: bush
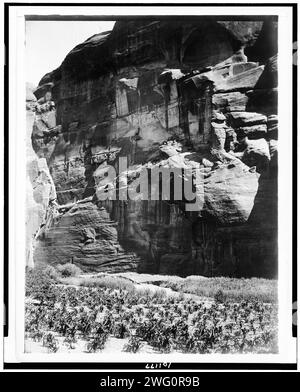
(133,345)
(234,289)
(39,280)
(51,272)
(120,330)
(97,342)
(158,294)
(219,296)
(50,342)
(68,269)
(114,283)
(70,341)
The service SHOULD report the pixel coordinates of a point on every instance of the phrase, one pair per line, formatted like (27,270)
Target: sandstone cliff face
(40,189)
(164,93)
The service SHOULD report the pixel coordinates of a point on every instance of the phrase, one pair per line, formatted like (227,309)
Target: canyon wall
(171,94)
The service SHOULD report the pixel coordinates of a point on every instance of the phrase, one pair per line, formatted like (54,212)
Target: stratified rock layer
(40,189)
(175,94)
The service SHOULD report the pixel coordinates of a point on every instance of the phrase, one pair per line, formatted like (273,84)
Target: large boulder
(246,119)
(257,154)
(230,102)
(230,193)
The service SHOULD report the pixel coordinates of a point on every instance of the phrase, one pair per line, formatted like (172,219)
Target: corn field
(166,324)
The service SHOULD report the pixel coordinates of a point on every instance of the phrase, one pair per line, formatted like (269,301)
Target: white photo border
(14,344)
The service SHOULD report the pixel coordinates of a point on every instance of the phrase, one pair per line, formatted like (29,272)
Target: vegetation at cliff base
(233,289)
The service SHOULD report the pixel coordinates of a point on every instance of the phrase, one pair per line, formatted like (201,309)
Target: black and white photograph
(152,210)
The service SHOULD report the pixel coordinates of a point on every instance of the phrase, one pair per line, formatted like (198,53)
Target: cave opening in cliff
(208,45)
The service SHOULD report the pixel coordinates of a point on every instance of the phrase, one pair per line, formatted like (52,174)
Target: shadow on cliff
(263,225)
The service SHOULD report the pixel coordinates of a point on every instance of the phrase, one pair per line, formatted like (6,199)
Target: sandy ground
(143,278)
(170,292)
(112,346)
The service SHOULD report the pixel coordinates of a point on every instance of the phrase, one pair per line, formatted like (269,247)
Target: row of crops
(165,323)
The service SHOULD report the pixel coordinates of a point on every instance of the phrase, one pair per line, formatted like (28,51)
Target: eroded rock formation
(40,189)
(173,93)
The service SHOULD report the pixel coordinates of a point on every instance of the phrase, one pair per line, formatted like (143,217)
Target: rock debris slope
(160,93)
